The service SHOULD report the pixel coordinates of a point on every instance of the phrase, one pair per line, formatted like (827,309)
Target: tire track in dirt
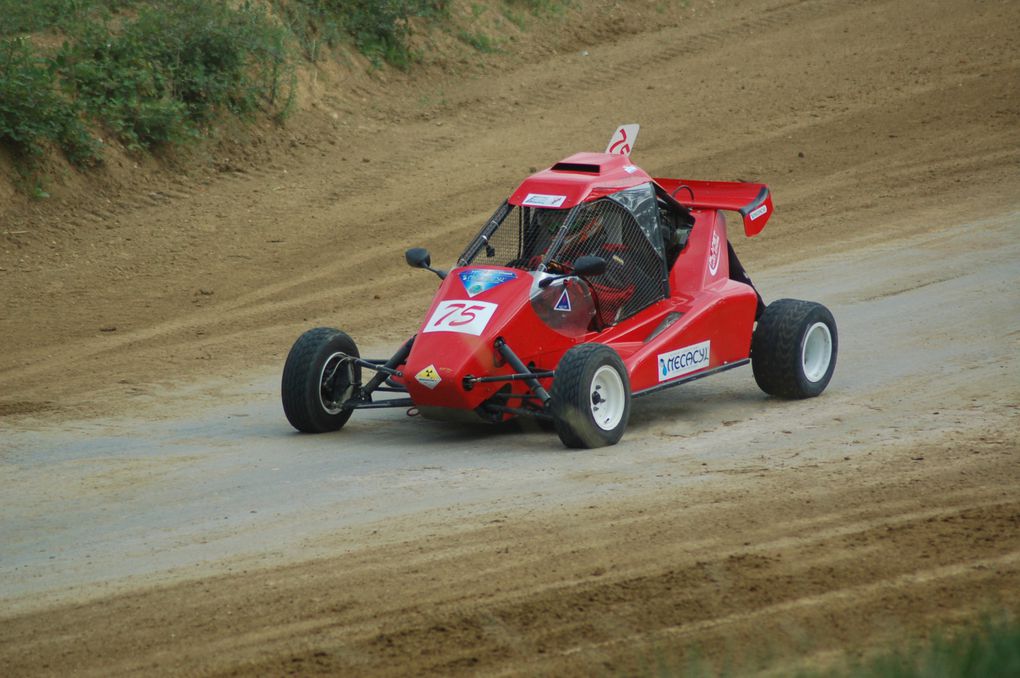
(814,567)
(247,231)
(796,534)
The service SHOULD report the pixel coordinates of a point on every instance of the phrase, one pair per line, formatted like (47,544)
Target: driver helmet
(587,223)
(549,220)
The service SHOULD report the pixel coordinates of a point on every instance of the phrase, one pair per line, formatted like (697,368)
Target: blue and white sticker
(481,280)
(758,212)
(684,360)
(564,302)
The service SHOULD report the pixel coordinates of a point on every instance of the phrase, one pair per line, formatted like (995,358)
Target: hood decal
(480,280)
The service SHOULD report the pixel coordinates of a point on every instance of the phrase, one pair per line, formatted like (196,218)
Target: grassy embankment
(150,74)
(989,648)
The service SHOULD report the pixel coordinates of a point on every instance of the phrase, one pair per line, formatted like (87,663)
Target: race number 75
(466,317)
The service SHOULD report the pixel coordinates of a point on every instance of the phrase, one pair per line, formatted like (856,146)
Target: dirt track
(890,135)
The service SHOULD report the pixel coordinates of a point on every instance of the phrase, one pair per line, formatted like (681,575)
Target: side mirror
(418,257)
(588,265)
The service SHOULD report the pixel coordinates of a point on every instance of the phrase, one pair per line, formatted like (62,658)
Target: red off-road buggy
(591,285)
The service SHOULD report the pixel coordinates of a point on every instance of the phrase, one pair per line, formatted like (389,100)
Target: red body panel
(455,354)
(614,173)
(752,201)
(716,313)
(704,324)
(713,307)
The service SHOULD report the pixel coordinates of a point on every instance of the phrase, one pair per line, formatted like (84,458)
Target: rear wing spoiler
(752,201)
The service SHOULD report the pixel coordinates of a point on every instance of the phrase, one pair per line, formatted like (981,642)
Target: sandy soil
(138,317)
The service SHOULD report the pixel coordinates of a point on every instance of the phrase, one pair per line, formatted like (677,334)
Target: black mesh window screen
(521,239)
(526,237)
(635,274)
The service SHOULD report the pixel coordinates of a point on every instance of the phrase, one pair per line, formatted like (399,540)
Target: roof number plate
(541,200)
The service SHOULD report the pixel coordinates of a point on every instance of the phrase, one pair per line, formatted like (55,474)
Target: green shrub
(480,41)
(314,23)
(989,650)
(378,28)
(32,111)
(152,72)
(29,16)
(169,71)
(540,7)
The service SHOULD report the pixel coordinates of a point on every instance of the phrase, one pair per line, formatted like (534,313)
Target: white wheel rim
(607,398)
(816,353)
(332,364)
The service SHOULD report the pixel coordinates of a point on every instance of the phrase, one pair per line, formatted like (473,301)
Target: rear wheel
(318,379)
(793,350)
(590,397)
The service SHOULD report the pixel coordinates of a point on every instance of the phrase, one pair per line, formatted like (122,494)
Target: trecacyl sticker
(429,377)
(684,360)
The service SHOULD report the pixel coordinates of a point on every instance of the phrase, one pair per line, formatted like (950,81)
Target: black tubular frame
(523,372)
(470,381)
(539,397)
(519,411)
(384,370)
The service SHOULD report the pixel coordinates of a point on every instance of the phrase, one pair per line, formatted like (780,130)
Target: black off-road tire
(311,400)
(793,349)
(580,421)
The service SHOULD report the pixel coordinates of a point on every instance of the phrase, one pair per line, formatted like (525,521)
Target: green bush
(480,41)
(378,28)
(989,650)
(314,23)
(21,16)
(539,7)
(32,111)
(169,71)
(152,73)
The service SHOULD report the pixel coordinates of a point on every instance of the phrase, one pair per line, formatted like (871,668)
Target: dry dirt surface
(159,516)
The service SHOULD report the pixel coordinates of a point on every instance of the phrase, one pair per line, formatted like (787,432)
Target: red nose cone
(474,307)
(438,363)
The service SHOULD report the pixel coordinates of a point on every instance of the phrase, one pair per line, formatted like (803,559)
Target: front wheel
(318,379)
(793,349)
(590,397)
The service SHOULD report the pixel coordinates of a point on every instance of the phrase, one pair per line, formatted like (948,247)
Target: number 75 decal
(466,317)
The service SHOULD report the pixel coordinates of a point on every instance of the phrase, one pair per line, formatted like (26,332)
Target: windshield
(518,237)
(543,238)
(621,228)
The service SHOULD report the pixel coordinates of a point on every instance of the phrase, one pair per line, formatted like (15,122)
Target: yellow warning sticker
(429,377)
